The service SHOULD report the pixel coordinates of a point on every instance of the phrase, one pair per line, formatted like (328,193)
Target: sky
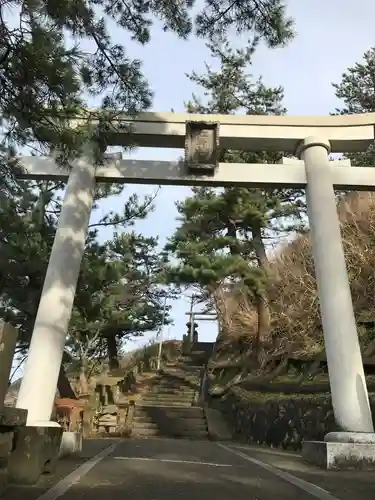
(331,36)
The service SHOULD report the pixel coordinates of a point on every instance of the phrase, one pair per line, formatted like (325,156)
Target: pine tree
(222,234)
(118,297)
(266,19)
(27,228)
(357,92)
(53,52)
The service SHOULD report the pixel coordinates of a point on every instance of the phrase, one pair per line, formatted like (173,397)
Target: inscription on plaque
(202,143)
(201,148)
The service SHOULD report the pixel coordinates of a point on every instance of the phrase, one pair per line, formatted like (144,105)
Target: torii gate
(308,138)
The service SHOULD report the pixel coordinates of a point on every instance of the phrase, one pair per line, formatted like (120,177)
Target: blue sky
(332,35)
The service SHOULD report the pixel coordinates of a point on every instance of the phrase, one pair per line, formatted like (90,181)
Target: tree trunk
(263,309)
(218,305)
(264,319)
(63,385)
(112,353)
(232,233)
(83,380)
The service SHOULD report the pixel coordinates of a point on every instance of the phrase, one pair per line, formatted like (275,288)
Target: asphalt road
(159,469)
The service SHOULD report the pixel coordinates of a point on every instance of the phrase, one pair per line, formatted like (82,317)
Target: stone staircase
(167,408)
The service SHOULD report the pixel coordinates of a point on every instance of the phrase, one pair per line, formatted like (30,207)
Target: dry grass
(292,291)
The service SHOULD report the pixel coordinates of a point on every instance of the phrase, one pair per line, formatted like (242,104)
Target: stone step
(183,435)
(191,370)
(172,388)
(166,402)
(163,404)
(177,372)
(172,410)
(157,396)
(162,413)
(177,381)
(167,396)
(144,420)
(179,375)
(167,425)
(169,392)
(180,379)
(172,373)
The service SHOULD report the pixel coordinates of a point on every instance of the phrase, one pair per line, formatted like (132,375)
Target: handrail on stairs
(204,385)
(204,377)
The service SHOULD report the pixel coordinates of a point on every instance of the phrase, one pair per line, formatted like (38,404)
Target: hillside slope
(292,289)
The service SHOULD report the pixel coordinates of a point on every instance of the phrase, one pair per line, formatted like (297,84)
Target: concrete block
(3,480)
(217,427)
(12,417)
(333,455)
(35,452)
(71,444)
(350,437)
(8,339)
(6,444)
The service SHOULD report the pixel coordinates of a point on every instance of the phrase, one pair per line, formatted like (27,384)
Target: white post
(160,347)
(347,379)
(38,387)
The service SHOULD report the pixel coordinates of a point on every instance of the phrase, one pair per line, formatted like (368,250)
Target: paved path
(158,469)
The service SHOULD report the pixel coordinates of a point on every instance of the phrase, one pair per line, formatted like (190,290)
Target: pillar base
(35,452)
(71,444)
(350,437)
(339,455)
(43,423)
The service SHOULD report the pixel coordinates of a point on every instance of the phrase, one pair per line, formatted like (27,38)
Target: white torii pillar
(39,383)
(346,374)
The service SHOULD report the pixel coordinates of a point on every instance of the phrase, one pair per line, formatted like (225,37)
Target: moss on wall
(279,420)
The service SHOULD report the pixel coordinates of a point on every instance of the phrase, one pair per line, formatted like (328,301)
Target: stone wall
(283,421)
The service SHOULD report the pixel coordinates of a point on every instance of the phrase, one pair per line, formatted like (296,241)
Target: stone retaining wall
(274,420)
